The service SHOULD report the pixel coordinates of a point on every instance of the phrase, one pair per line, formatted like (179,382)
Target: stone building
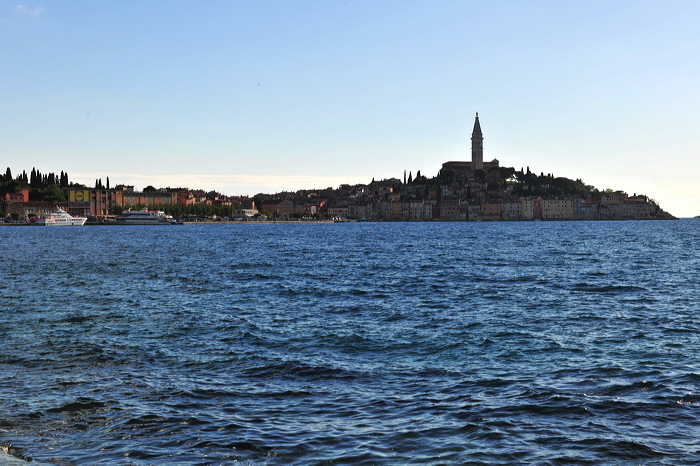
(464,170)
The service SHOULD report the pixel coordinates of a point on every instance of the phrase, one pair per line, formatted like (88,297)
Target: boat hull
(140,222)
(58,224)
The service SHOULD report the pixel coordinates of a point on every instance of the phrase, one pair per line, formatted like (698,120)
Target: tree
(53,193)
(420,178)
(108,182)
(8,174)
(446,176)
(506,174)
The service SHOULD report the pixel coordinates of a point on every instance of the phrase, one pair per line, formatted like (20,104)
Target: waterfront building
(30,209)
(585,210)
(474,213)
(97,202)
(634,207)
(537,208)
(510,211)
(20,196)
(527,209)
(612,198)
(428,208)
(411,210)
(645,210)
(557,209)
(396,211)
(315,207)
(280,209)
(361,210)
(384,209)
(147,198)
(338,212)
(491,211)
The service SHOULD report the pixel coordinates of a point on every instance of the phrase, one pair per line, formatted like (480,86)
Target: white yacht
(145,217)
(60,217)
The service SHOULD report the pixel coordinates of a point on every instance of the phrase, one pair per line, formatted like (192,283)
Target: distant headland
(462,191)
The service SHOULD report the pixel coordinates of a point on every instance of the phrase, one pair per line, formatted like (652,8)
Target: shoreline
(306,222)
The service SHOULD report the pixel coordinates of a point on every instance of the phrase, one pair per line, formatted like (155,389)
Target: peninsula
(474,190)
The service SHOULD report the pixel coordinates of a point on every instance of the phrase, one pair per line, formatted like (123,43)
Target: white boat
(60,217)
(145,217)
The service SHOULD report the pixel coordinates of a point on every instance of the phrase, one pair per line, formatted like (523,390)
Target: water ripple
(561,342)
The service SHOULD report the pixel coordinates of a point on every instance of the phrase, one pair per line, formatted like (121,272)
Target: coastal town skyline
(246,98)
(474,190)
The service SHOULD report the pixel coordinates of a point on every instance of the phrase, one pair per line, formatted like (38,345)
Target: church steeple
(477,146)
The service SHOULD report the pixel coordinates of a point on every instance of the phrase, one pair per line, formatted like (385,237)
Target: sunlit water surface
(367,342)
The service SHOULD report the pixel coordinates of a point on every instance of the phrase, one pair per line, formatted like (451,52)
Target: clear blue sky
(263,96)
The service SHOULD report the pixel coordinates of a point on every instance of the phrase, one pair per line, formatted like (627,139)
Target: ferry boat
(60,217)
(145,217)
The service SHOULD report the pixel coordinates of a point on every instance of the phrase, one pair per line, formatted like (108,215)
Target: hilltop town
(462,191)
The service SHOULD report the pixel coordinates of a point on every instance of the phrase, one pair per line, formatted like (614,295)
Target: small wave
(141,455)
(13,452)
(298,369)
(81,404)
(76,319)
(585,287)
(623,449)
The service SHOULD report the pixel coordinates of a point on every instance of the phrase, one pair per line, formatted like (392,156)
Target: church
(467,169)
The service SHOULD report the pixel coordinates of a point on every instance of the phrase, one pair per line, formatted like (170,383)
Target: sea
(351,343)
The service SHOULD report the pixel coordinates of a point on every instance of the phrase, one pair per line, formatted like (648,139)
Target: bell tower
(477,146)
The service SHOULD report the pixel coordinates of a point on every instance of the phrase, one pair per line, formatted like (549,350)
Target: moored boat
(145,217)
(60,217)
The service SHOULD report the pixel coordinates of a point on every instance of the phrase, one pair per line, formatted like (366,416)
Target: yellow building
(94,202)
(557,209)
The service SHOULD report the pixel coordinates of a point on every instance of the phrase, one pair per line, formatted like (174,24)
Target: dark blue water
(544,342)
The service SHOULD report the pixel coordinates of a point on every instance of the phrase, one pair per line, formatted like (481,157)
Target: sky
(244,97)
